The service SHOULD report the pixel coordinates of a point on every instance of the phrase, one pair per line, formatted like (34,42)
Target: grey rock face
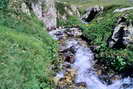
(122,34)
(91,12)
(45,10)
(49,11)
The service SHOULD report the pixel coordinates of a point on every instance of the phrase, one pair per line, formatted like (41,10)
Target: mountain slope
(26,51)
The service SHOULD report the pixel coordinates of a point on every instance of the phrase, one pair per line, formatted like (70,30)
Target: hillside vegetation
(87,3)
(26,51)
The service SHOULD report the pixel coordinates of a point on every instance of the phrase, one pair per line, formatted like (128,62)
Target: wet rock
(57,34)
(115,77)
(67,80)
(122,34)
(81,84)
(73,32)
(127,83)
(99,72)
(91,12)
(63,33)
(84,38)
(58,77)
(66,65)
(69,57)
(68,47)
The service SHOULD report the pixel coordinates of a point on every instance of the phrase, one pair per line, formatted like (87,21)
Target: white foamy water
(83,64)
(84,61)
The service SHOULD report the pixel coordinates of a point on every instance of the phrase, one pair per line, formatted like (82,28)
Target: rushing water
(85,72)
(84,61)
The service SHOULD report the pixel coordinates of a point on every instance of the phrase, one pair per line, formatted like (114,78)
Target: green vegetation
(86,3)
(26,51)
(71,21)
(60,7)
(98,31)
(4,4)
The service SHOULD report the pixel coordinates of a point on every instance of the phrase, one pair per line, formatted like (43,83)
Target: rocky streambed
(77,69)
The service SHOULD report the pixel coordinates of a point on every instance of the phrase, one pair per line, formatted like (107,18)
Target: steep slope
(26,51)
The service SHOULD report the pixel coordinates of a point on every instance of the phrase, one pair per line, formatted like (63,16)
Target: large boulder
(91,12)
(122,34)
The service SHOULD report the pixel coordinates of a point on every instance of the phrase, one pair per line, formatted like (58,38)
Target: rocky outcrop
(64,10)
(45,10)
(91,12)
(50,11)
(122,34)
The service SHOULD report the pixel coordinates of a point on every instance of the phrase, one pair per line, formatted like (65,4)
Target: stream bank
(77,70)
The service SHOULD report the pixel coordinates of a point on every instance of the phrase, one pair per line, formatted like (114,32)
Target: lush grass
(26,51)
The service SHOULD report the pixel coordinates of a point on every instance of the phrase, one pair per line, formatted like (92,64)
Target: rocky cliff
(45,10)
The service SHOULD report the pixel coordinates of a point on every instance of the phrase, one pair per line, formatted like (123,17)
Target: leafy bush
(26,51)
